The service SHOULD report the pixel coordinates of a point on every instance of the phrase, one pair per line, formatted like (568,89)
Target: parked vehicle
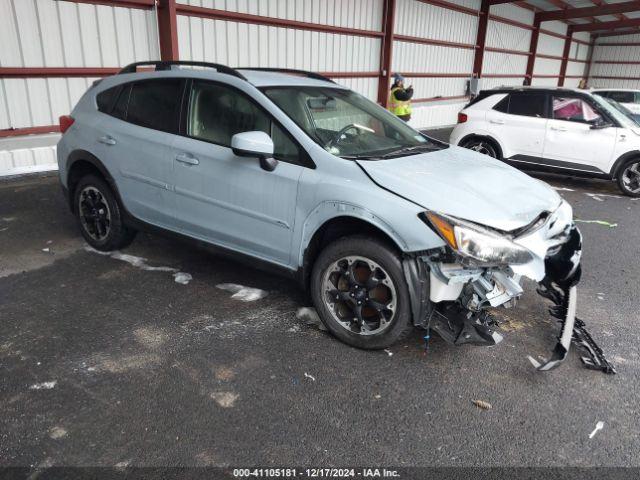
(627,97)
(386,227)
(618,106)
(553,129)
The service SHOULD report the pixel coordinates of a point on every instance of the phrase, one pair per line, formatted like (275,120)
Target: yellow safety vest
(398,107)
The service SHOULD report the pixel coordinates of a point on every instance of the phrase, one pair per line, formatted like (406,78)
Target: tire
(361,269)
(484,146)
(629,178)
(99,215)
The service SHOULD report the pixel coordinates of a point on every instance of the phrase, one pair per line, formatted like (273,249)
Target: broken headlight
(478,243)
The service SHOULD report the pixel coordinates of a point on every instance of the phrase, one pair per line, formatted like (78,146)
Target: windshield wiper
(415,148)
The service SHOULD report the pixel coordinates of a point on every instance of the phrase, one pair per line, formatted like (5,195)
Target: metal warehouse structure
(51,50)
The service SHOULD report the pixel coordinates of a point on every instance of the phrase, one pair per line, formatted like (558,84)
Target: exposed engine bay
(460,290)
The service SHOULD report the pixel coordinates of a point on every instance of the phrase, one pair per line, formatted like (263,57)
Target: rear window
(155,104)
(524,104)
(621,97)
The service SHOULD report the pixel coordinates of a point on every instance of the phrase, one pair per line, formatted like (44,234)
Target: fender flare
(86,156)
(621,161)
(330,209)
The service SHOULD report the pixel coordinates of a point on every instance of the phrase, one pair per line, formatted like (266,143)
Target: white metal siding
(363,14)
(419,19)
(616,53)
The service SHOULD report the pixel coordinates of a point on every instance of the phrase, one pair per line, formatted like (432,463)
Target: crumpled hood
(465,184)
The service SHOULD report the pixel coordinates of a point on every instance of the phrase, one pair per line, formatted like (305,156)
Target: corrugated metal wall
(613,49)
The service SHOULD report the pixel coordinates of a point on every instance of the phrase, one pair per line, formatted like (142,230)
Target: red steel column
(481,37)
(168,29)
(565,56)
(593,39)
(533,49)
(386,52)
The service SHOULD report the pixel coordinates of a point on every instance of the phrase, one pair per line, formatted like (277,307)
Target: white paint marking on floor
(46,250)
(597,196)
(43,385)
(389,352)
(182,278)
(310,376)
(563,189)
(242,293)
(599,426)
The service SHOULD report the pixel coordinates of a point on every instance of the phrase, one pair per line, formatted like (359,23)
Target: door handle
(107,140)
(559,129)
(187,159)
(497,122)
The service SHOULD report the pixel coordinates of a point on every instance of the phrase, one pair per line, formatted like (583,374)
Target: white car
(624,96)
(561,130)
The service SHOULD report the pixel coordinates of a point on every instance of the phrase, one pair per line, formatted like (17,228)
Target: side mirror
(600,125)
(257,145)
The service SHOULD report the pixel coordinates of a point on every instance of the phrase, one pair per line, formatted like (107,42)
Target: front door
(571,142)
(230,200)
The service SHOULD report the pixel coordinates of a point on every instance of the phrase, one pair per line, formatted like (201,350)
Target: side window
(527,104)
(622,97)
(105,99)
(574,110)
(120,108)
(155,104)
(218,112)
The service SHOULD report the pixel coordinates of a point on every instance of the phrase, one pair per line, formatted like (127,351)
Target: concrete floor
(104,363)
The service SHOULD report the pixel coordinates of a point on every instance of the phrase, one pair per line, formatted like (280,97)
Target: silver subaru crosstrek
(387,228)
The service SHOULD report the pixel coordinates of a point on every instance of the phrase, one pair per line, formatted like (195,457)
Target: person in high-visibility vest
(400,98)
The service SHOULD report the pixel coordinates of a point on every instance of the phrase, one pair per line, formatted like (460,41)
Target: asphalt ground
(104,363)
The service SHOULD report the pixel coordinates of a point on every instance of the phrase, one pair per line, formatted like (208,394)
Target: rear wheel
(100,216)
(482,145)
(359,290)
(629,178)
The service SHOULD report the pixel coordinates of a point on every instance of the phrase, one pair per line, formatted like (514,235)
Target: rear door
(230,200)
(137,138)
(570,141)
(519,121)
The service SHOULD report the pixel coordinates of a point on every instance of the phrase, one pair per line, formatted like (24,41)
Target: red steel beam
(40,72)
(350,74)
(604,9)
(213,13)
(143,4)
(533,48)
(618,62)
(633,31)
(430,41)
(386,51)
(592,27)
(168,29)
(607,77)
(450,6)
(17,132)
(481,37)
(565,56)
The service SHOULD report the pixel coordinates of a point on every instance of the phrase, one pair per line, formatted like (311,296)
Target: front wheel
(483,146)
(359,290)
(629,178)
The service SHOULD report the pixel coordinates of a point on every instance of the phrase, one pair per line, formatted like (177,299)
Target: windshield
(614,109)
(348,125)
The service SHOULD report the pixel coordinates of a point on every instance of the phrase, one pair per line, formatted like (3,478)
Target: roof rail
(167,64)
(305,73)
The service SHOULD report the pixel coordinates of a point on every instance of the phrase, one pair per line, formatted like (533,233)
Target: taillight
(462,117)
(65,122)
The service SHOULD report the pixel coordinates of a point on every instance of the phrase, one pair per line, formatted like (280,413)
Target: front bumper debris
(563,273)
(451,299)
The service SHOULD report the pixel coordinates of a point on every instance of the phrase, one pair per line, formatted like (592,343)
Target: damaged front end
(453,286)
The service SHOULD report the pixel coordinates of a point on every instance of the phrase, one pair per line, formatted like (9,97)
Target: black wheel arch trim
(85,156)
(471,136)
(622,159)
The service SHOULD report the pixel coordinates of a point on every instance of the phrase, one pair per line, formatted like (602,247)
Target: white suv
(553,129)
